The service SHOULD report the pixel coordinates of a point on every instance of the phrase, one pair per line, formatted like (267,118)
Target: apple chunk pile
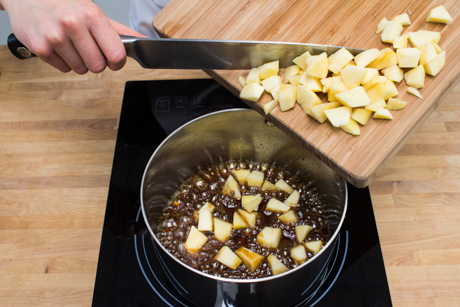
(347,90)
(258,199)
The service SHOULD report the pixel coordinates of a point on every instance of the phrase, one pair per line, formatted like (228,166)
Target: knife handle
(18,49)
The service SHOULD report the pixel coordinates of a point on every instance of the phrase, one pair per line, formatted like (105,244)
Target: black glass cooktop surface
(129,271)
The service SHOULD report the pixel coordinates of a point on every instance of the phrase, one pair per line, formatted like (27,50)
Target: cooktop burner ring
(151,266)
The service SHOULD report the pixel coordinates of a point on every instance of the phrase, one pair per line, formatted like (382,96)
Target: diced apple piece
(418,39)
(403,19)
(241,175)
(253,76)
(292,70)
(400,41)
(271,82)
(275,205)
(255,178)
(222,230)
(249,217)
(287,96)
(301,232)
(341,58)
(269,106)
(318,67)
(241,81)
(312,83)
(301,60)
(428,53)
(269,69)
(434,66)
(433,35)
(414,92)
(361,116)
(267,185)
(382,90)
(205,222)
(252,92)
(376,105)
(352,127)
(284,186)
(250,259)
(371,73)
(389,59)
(275,92)
(364,58)
(299,254)
(228,258)
(314,246)
(238,221)
(381,25)
(354,98)
(270,236)
(415,77)
(440,15)
(293,199)
(408,57)
(438,49)
(288,217)
(317,112)
(338,116)
(391,29)
(251,202)
(306,98)
(394,104)
(374,81)
(393,73)
(276,266)
(231,185)
(352,76)
(327,82)
(383,114)
(294,80)
(336,88)
(195,240)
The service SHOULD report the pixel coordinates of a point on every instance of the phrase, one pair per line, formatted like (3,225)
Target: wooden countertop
(57,139)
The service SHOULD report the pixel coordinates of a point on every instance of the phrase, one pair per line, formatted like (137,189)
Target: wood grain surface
(57,139)
(350,23)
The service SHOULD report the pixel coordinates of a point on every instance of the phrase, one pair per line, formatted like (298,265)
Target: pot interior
(239,135)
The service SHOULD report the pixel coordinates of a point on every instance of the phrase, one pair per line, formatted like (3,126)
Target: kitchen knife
(168,53)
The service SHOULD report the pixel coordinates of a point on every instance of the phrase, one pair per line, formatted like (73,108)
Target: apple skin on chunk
(276,266)
(222,230)
(231,186)
(252,92)
(228,258)
(270,237)
(255,179)
(314,246)
(301,232)
(195,240)
(274,205)
(356,97)
(250,259)
(299,254)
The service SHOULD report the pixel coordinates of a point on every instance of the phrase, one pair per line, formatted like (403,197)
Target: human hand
(69,35)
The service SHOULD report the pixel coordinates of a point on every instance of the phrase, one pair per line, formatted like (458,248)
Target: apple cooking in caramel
(243,220)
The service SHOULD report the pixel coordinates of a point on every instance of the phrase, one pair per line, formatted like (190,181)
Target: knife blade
(169,53)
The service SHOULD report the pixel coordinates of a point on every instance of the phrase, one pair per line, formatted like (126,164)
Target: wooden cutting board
(341,23)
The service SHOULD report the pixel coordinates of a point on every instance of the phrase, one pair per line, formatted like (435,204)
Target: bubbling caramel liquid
(206,186)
